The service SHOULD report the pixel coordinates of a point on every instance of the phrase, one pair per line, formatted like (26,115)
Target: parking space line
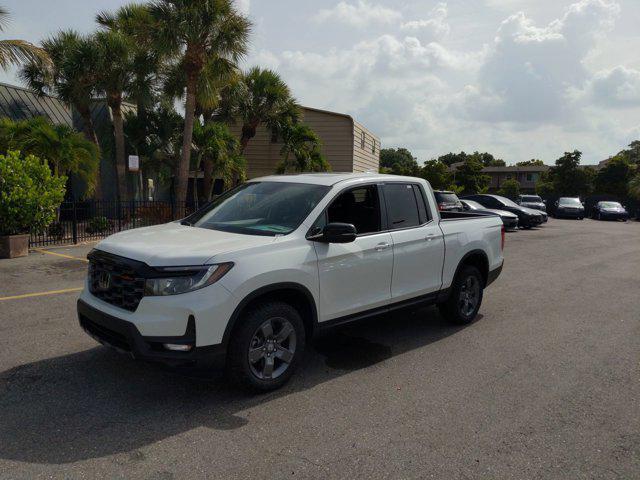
(40,294)
(39,250)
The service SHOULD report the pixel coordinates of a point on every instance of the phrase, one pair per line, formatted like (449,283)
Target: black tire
(239,368)
(452,310)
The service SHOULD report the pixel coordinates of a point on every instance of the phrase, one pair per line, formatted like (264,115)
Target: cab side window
(358,206)
(402,205)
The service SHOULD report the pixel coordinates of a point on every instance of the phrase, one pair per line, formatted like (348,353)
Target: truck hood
(172,244)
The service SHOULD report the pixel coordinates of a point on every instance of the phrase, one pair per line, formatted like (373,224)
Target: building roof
(18,103)
(516,169)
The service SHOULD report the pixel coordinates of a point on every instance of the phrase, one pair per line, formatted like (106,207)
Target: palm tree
(135,21)
(197,30)
(66,151)
(17,52)
(218,151)
(71,75)
(114,80)
(262,97)
(303,144)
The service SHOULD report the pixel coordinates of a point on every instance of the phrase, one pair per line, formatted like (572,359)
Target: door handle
(381,246)
(430,237)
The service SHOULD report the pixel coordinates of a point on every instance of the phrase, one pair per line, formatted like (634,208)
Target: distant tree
(614,177)
(544,188)
(531,163)
(451,158)
(469,176)
(485,158)
(398,161)
(437,174)
(634,187)
(568,178)
(510,189)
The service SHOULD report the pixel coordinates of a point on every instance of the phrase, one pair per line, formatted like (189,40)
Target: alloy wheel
(469,295)
(272,348)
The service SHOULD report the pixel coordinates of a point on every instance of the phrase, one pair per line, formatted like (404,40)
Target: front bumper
(614,215)
(510,223)
(570,213)
(124,337)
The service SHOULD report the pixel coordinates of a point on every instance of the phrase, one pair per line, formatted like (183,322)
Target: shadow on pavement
(96,403)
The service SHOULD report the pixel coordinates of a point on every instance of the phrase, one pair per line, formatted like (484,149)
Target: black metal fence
(91,220)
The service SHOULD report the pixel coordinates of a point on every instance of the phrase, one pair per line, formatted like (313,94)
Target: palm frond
(18,52)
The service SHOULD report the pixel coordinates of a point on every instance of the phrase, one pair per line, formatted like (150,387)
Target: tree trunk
(248,132)
(207,180)
(90,134)
(120,160)
(182,171)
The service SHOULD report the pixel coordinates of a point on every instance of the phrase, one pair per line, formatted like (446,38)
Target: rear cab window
(405,205)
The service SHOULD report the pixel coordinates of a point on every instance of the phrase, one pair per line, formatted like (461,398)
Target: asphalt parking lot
(546,384)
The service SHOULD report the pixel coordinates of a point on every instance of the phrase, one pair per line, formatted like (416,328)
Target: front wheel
(267,347)
(466,297)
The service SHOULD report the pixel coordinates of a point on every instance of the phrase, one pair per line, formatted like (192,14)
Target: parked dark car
(447,201)
(531,201)
(608,210)
(509,220)
(569,207)
(527,217)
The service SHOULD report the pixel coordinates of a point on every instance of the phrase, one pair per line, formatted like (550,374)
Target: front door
(356,276)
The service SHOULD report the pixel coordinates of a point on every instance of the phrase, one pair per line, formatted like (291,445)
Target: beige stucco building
(346,144)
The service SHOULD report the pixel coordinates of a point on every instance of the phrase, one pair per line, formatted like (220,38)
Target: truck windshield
(260,208)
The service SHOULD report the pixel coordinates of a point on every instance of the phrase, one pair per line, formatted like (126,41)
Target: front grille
(116,280)
(105,334)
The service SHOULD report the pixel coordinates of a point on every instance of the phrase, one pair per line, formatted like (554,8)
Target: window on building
(373,146)
(274,136)
(529,177)
(363,138)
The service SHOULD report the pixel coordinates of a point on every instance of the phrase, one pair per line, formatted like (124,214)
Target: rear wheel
(266,348)
(466,296)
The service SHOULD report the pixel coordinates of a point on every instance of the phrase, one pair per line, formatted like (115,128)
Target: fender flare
(274,287)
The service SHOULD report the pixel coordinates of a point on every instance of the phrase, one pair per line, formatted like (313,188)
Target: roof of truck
(331,178)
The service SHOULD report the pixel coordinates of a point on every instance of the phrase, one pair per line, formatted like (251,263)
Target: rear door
(356,276)
(418,243)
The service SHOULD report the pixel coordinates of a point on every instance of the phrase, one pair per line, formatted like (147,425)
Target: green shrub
(29,194)
(98,225)
(510,189)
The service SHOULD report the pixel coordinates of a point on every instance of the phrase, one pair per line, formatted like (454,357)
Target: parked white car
(248,279)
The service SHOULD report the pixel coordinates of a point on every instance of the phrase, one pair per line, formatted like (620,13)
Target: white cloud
(435,26)
(361,14)
(530,70)
(615,88)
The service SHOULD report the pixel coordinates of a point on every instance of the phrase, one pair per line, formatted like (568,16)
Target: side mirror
(556,204)
(338,233)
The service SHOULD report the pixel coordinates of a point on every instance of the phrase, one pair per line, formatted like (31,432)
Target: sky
(521,79)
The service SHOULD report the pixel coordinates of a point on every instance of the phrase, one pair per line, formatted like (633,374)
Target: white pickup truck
(249,278)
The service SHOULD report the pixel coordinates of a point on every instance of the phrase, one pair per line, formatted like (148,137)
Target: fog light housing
(177,347)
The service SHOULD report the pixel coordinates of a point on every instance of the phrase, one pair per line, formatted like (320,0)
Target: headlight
(185,279)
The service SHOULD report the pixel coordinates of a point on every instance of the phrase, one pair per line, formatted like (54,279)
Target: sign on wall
(134,163)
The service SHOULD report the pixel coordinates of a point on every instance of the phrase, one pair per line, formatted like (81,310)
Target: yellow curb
(41,294)
(39,250)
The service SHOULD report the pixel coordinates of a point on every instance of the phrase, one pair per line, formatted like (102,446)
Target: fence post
(74,227)
(133,213)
